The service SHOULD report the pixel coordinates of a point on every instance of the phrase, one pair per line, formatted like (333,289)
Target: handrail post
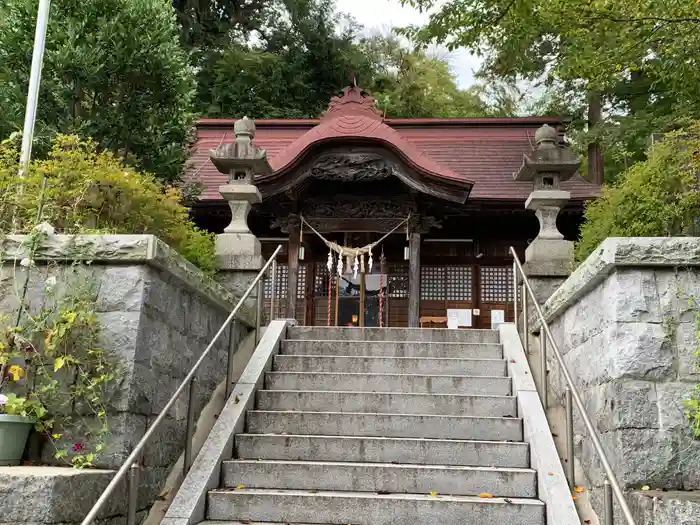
(609,514)
(231,351)
(273,290)
(259,310)
(543,369)
(133,494)
(570,462)
(515,295)
(189,431)
(526,331)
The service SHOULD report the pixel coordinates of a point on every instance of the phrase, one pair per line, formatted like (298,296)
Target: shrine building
(444,198)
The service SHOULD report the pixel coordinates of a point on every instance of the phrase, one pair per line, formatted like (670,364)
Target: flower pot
(14,431)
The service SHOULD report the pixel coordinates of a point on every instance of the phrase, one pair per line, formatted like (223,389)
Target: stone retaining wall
(626,324)
(157,314)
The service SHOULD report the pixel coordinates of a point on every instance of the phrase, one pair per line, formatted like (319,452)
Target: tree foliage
(410,83)
(639,56)
(301,59)
(113,70)
(654,198)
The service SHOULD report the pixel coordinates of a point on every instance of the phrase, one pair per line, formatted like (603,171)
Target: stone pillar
(238,251)
(293,263)
(548,258)
(414,280)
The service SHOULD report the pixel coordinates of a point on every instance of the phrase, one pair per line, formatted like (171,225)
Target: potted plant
(17,413)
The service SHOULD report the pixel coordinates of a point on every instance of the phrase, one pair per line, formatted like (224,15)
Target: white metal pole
(42,21)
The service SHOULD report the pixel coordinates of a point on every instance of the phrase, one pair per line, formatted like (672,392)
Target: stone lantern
(549,255)
(237,249)
(548,166)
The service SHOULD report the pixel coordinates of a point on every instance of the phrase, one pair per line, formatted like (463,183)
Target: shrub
(658,197)
(94,192)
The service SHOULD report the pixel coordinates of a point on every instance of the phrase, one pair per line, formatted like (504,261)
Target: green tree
(300,59)
(638,57)
(409,83)
(113,70)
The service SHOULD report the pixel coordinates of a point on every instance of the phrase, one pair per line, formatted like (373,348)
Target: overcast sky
(384,14)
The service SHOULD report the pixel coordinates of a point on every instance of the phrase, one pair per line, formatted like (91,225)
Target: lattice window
(433,283)
(282,282)
(397,282)
(301,282)
(459,283)
(496,284)
(281,285)
(321,280)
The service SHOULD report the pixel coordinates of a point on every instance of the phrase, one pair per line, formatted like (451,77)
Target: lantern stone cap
(546,135)
(242,155)
(244,127)
(549,159)
(553,198)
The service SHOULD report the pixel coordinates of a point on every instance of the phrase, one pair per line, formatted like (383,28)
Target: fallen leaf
(433,493)
(507,500)
(574,496)
(236,399)
(645,487)
(579,489)
(550,473)
(240,486)
(485,495)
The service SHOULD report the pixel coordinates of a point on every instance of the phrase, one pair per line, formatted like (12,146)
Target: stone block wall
(157,315)
(625,322)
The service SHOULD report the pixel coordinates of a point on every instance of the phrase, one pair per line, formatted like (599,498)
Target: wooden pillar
(414,280)
(293,266)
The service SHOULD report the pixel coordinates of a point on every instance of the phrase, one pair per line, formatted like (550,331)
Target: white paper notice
(459,318)
(497,317)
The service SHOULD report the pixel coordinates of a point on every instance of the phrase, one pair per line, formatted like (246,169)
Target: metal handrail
(611,483)
(131,463)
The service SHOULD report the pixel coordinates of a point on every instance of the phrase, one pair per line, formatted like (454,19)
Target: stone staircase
(382,427)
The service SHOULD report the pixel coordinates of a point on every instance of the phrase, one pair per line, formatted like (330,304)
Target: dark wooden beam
(293,262)
(414,280)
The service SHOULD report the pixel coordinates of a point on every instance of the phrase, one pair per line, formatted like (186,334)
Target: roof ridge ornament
(353,101)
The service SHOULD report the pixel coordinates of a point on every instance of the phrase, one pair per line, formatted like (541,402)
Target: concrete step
(391,403)
(390,365)
(437,335)
(393,349)
(248,522)
(385,425)
(380,477)
(382,450)
(423,384)
(341,508)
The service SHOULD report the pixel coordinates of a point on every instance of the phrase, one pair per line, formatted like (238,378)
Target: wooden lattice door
(443,288)
(496,293)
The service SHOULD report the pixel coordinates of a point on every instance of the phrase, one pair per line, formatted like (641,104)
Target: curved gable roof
(355,117)
(363,128)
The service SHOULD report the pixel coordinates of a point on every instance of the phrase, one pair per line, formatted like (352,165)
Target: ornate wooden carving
(351,167)
(379,215)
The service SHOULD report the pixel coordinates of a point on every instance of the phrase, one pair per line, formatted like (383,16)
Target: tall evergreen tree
(113,70)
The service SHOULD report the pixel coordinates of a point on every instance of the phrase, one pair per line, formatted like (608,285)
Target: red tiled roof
(485,151)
